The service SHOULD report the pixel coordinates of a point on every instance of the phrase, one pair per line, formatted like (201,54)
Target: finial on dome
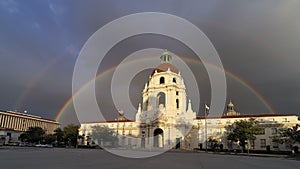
(140,108)
(230,104)
(165,57)
(189,105)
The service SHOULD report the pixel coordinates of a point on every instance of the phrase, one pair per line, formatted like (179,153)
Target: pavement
(62,158)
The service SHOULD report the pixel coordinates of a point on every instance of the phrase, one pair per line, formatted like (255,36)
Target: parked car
(44,145)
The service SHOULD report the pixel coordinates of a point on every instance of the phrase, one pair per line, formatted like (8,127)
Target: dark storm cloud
(256,40)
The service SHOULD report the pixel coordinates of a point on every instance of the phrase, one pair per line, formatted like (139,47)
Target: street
(61,158)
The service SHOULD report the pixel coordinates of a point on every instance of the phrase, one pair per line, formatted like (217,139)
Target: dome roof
(164,68)
(165,64)
(230,104)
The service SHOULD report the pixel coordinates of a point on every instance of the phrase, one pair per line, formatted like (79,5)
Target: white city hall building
(165,119)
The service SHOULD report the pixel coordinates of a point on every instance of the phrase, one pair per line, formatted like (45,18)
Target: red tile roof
(244,116)
(164,67)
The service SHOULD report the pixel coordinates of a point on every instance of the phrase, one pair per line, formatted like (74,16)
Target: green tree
(59,134)
(71,134)
(213,143)
(104,134)
(33,135)
(243,131)
(289,136)
(49,138)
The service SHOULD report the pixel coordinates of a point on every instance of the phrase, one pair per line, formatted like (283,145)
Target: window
(274,130)
(177,103)
(161,98)
(162,80)
(275,144)
(262,143)
(174,80)
(209,131)
(285,120)
(177,93)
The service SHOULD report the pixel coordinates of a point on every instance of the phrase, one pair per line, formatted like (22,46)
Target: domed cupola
(165,64)
(165,57)
(230,110)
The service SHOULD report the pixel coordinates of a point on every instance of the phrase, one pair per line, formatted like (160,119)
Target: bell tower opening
(165,57)
(161,80)
(161,96)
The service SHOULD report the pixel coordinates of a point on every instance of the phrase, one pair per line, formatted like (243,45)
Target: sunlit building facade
(165,119)
(12,124)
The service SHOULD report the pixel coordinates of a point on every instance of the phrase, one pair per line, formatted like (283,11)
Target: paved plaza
(61,158)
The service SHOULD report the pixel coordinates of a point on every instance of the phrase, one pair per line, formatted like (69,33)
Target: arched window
(161,96)
(177,103)
(162,80)
(174,80)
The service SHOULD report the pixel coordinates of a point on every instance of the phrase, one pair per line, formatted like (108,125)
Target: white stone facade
(165,118)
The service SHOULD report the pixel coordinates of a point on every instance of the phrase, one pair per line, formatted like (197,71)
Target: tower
(230,109)
(164,113)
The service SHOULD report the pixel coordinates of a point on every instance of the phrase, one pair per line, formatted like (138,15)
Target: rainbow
(27,90)
(227,72)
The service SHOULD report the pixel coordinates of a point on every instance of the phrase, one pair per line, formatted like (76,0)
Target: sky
(257,41)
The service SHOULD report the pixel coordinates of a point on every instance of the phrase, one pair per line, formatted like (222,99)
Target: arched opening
(158,138)
(162,80)
(161,96)
(174,80)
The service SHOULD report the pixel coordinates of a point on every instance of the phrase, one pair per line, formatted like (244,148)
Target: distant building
(165,119)
(12,124)
(216,129)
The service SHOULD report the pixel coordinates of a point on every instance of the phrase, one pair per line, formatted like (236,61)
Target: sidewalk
(250,154)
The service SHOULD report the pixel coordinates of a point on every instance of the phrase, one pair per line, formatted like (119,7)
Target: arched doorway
(158,138)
